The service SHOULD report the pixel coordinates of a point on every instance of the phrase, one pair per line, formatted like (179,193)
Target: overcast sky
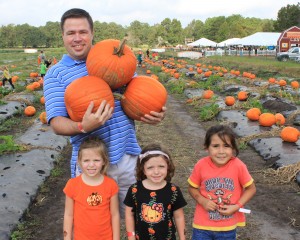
(38,12)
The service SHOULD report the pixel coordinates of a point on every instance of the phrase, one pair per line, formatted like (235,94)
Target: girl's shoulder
(109,180)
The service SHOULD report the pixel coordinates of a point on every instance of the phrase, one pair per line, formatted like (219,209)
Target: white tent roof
(202,42)
(259,39)
(227,42)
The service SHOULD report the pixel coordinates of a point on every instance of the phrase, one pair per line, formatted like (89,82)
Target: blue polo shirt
(118,132)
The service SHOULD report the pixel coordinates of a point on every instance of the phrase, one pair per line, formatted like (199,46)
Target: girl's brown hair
(141,161)
(95,142)
(222,131)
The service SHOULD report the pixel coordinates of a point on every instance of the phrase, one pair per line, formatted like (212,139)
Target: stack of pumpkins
(111,64)
(288,134)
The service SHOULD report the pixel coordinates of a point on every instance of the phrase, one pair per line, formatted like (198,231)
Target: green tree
(52,34)
(175,35)
(103,30)
(287,17)
(212,26)
(137,33)
(194,29)
(8,37)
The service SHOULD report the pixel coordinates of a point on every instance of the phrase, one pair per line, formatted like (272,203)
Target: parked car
(291,54)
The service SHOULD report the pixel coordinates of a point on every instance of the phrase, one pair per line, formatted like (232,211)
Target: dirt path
(274,208)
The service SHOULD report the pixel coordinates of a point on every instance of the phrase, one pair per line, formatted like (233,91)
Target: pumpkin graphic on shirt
(94,199)
(152,213)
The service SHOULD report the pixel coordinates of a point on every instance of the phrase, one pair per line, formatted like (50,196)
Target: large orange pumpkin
(143,94)
(81,92)
(43,117)
(242,95)
(229,100)
(253,114)
(267,119)
(29,111)
(289,134)
(280,119)
(207,94)
(295,84)
(112,61)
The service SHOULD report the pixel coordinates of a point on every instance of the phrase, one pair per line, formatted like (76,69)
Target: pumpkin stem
(118,96)
(119,51)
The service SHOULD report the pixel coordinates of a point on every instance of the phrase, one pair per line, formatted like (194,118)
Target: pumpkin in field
(272,80)
(289,134)
(43,117)
(207,94)
(176,75)
(242,95)
(42,100)
(295,84)
(143,94)
(280,119)
(267,119)
(229,100)
(253,114)
(112,61)
(29,111)
(282,82)
(81,92)
(14,79)
(33,74)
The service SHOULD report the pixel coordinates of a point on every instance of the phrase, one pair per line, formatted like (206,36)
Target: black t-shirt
(153,210)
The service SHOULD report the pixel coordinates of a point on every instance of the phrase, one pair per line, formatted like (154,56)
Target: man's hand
(154,117)
(91,120)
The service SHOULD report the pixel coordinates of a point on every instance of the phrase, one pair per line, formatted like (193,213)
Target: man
(114,127)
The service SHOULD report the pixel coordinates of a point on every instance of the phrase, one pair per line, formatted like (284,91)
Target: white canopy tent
(258,39)
(202,42)
(227,42)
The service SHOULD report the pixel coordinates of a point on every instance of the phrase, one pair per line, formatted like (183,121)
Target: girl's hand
(228,210)
(209,205)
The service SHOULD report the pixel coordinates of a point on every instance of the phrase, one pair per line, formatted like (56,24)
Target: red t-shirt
(224,185)
(92,218)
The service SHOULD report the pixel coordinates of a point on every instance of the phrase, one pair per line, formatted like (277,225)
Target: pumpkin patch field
(258,99)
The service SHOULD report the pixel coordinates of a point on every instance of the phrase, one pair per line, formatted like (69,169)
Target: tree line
(168,32)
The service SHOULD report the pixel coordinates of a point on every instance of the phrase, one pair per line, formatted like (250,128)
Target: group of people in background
(112,178)
(45,63)
(140,56)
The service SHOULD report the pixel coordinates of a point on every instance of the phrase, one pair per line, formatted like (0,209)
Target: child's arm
(129,222)
(68,218)
(248,193)
(207,204)
(115,216)
(180,223)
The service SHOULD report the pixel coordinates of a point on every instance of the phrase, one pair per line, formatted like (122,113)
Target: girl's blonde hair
(95,142)
(146,154)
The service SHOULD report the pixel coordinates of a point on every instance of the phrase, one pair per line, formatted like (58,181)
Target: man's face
(77,36)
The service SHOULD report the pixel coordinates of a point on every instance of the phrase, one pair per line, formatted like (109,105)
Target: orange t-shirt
(92,218)
(223,185)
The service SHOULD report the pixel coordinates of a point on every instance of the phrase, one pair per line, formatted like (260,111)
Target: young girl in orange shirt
(92,207)
(221,185)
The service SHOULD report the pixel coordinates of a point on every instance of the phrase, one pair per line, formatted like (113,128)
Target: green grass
(7,145)
(208,112)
